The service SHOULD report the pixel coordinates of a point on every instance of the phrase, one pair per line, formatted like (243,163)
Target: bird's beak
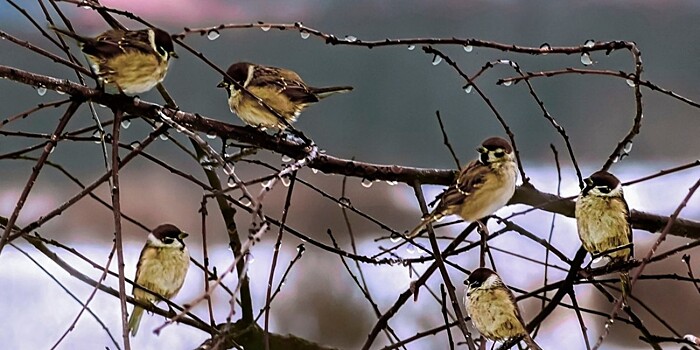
(183,235)
(221,84)
(466,283)
(174,55)
(482,149)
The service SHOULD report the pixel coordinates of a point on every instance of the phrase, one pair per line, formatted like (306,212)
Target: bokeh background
(389,118)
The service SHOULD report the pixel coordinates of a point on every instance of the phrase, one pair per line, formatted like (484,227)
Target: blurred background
(389,118)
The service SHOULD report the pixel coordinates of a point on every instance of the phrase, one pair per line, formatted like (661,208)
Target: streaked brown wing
(286,82)
(115,42)
(628,217)
(467,181)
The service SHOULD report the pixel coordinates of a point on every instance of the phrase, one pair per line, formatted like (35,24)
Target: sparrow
(132,60)
(481,188)
(602,219)
(281,89)
(493,310)
(161,269)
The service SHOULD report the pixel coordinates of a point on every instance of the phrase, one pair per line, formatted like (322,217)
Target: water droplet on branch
(545,48)
(41,90)
(305,35)
(586,59)
(366,183)
(213,34)
(468,48)
(468,89)
(350,38)
(126,123)
(286,159)
(265,28)
(589,43)
(436,60)
(411,47)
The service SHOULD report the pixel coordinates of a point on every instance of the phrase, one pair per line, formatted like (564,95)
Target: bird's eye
(604,189)
(499,154)
(162,51)
(168,241)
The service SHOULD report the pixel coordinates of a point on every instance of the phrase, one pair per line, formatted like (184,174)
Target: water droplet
(628,147)
(315,171)
(301,248)
(204,160)
(410,249)
(586,59)
(395,238)
(630,82)
(213,34)
(392,183)
(245,201)
(53,148)
(135,145)
(126,123)
(60,91)
(366,183)
(468,89)
(231,181)
(502,61)
(468,48)
(350,38)
(589,43)
(164,137)
(286,159)
(157,125)
(98,136)
(616,159)
(545,48)
(305,35)
(267,185)
(436,60)
(286,181)
(249,258)
(265,28)
(507,83)
(41,90)
(344,202)
(211,135)
(686,258)
(411,47)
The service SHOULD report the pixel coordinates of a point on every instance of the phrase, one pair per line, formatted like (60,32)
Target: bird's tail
(134,320)
(531,343)
(327,91)
(625,285)
(76,37)
(424,222)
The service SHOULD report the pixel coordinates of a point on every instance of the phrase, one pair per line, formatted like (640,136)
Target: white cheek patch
(155,242)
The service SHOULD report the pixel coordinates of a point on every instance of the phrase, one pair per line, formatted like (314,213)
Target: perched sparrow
(493,310)
(162,268)
(602,217)
(484,186)
(133,60)
(281,89)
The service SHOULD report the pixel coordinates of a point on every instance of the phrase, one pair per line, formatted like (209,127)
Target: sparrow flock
(135,61)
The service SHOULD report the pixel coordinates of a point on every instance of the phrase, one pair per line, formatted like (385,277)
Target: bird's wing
(628,217)
(286,82)
(115,42)
(468,180)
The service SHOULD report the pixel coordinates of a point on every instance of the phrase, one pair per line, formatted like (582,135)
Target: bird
(485,185)
(161,269)
(602,219)
(134,61)
(280,89)
(493,310)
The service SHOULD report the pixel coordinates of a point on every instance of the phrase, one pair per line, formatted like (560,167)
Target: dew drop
(135,145)
(468,48)
(366,183)
(286,159)
(394,238)
(628,147)
(392,183)
(586,59)
(410,249)
(411,47)
(213,34)
(164,137)
(157,125)
(344,202)
(545,48)
(685,259)
(286,181)
(211,135)
(126,123)
(305,35)
(53,148)
(98,135)
(630,82)
(245,201)
(301,248)
(60,91)
(468,89)
(267,185)
(436,60)
(350,39)
(589,43)
(41,90)
(616,159)
(265,28)
(507,83)
(231,181)
(315,171)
